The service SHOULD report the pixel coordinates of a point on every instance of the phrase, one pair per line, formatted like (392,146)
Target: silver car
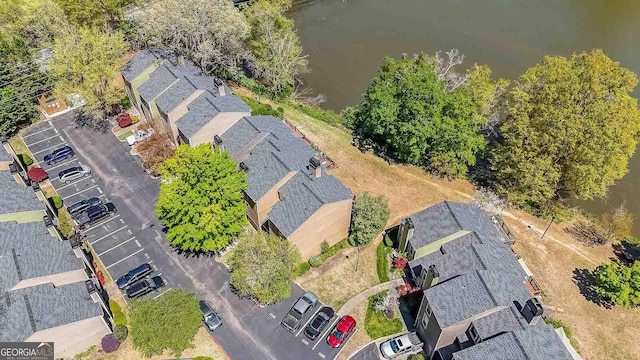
(73,173)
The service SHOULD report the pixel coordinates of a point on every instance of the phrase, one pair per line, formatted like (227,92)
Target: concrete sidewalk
(363,296)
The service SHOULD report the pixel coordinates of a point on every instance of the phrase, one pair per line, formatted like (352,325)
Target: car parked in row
(319,322)
(341,332)
(210,317)
(77,208)
(60,154)
(144,286)
(73,173)
(291,321)
(134,275)
(94,213)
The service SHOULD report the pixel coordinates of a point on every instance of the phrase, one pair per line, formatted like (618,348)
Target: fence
(326,161)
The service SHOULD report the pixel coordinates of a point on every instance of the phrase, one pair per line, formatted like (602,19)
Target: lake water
(347,39)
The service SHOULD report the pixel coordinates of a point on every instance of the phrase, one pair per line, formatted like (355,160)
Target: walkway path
(363,296)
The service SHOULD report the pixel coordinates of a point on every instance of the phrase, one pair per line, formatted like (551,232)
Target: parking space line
(311,318)
(53,147)
(344,344)
(93,181)
(80,192)
(63,163)
(49,138)
(162,293)
(117,246)
(106,236)
(39,131)
(95,226)
(123,259)
(325,332)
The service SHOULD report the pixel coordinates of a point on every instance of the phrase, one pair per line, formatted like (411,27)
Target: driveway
(134,236)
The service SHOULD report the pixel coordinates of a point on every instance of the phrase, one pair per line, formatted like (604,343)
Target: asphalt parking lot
(113,240)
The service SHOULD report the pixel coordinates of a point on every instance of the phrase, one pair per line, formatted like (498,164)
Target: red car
(124,120)
(342,331)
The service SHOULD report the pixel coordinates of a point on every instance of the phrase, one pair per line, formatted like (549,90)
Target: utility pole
(548,226)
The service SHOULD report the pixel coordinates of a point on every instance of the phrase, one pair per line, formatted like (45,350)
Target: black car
(144,286)
(64,152)
(76,209)
(209,316)
(134,275)
(319,322)
(94,213)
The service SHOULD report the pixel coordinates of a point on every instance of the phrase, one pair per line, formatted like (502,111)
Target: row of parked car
(341,331)
(137,281)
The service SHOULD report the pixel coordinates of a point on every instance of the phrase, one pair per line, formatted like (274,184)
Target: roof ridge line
(313,193)
(484,284)
(454,215)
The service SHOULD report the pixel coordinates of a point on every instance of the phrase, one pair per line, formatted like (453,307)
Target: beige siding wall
(74,338)
(179,112)
(330,223)
(57,279)
(266,202)
(252,214)
(217,126)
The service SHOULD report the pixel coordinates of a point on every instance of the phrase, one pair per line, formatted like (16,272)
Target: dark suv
(134,275)
(76,209)
(144,286)
(94,213)
(319,322)
(63,153)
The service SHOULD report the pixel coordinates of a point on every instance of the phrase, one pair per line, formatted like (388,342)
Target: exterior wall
(429,334)
(436,245)
(71,339)
(266,202)
(178,112)
(218,125)
(57,279)
(330,223)
(252,214)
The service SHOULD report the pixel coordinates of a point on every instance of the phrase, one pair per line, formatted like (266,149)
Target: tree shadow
(585,280)
(626,252)
(91,122)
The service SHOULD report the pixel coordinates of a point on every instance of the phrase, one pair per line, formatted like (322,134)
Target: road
(134,236)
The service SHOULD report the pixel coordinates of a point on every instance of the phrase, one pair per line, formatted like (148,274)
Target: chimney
(91,287)
(221,91)
(430,277)
(217,142)
(244,167)
(532,311)
(314,164)
(405,233)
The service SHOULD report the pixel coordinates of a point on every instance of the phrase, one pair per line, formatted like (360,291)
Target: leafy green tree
(370,215)
(571,126)
(86,61)
(201,199)
(93,13)
(263,267)
(419,111)
(618,283)
(275,46)
(169,322)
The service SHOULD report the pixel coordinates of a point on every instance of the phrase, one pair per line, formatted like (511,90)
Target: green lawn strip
(376,323)
(382,262)
(123,137)
(18,145)
(567,331)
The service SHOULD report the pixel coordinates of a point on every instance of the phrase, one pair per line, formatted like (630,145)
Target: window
(427,313)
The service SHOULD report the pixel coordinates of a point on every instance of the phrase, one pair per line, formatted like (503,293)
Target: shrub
(37,174)
(370,215)
(118,316)
(26,159)
(125,102)
(315,261)
(376,322)
(324,247)
(416,357)
(65,224)
(120,332)
(202,358)
(302,268)
(258,108)
(110,343)
(56,201)
(399,263)
(382,263)
(388,242)
(618,283)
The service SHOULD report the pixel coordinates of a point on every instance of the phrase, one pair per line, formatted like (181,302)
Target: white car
(139,135)
(73,173)
(400,345)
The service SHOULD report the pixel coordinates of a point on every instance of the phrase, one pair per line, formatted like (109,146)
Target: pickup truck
(399,345)
(139,135)
(291,321)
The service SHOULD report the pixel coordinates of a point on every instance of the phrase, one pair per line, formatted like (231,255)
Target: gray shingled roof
(204,108)
(159,80)
(189,81)
(448,217)
(141,62)
(504,320)
(43,307)
(534,343)
(15,198)
(4,155)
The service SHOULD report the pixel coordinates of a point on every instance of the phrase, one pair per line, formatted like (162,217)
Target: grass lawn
(382,262)
(601,333)
(376,322)
(123,136)
(18,145)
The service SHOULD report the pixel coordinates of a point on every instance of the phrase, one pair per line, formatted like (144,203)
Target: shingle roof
(141,62)
(534,343)
(159,80)
(501,321)
(27,251)
(4,155)
(36,308)
(447,218)
(188,82)
(204,108)
(15,198)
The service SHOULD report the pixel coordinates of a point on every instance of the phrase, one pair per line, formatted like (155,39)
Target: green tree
(201,199)
(93,13)
(419,111)
(370,215)
(263,267)
(86,61)
(275,46)
(168,322)
(571,126)
(618,283)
